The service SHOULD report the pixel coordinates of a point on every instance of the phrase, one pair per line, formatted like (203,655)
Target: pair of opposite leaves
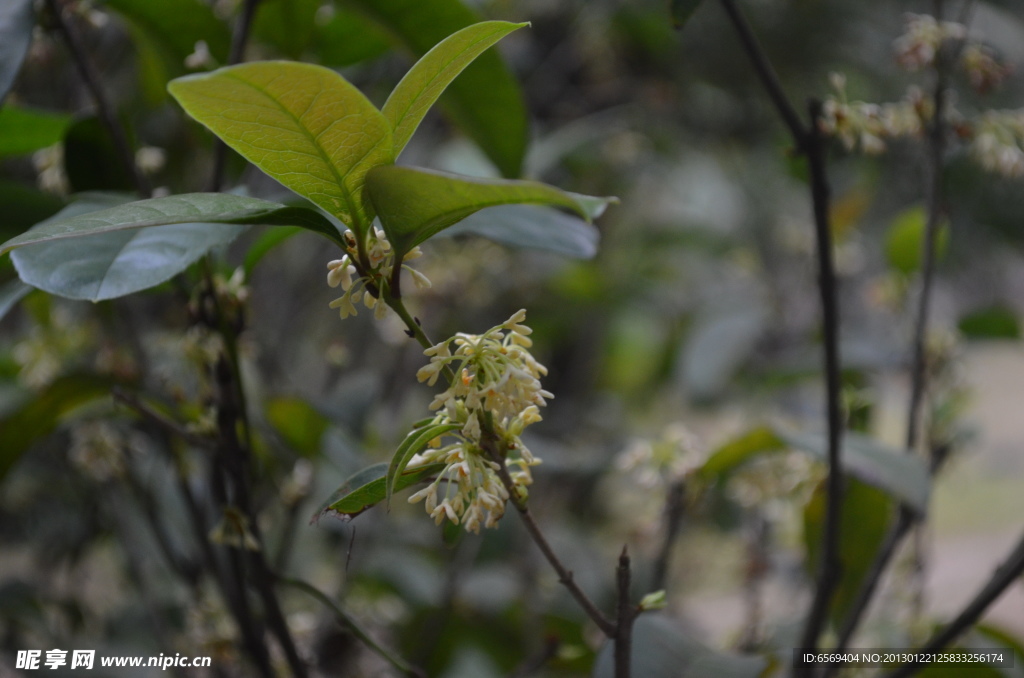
(310,129)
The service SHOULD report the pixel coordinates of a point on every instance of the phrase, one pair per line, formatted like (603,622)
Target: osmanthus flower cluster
(373,284)
(495,393)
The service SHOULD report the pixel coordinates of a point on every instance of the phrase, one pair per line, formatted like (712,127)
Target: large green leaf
(485,99)
(866,515)
(41,414)
(367,488)
(24,130)
(212,208)
(415,204)
(532,227)
(16,24)
(431,75)
(304,125)
(661,649)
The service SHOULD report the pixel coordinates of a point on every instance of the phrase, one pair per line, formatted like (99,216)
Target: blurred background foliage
(691,335)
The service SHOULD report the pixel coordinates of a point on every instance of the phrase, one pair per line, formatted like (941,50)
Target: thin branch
(104,109)
(675,508)
(352,625)
(830,568)
(239,39)
(624,616)
(1004,576)
(766,73)
(162,420)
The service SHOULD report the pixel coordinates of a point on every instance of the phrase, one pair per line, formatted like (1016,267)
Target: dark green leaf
(286,24)
(739,451)
(176,26)
(348,38)
(213,208)
(267,241)
(24,130)
(995,322)
(304,125)
(485,99)
(16,24)
(905,240)
(866,515)
(418,439)
(366,488)
(24,207)
(431,75)
(661,649)
(299,423)
(41,415)
(91,161)
(11,293)
(682,10)
(533,227)
(415,204)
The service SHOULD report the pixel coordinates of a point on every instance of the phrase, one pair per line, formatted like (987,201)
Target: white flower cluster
(496,389)
(984,71)
(381,259)
(868,125)
(917,48)
(998,142)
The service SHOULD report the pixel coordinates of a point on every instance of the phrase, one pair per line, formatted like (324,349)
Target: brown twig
(675,508)
(104,109)
(624,616)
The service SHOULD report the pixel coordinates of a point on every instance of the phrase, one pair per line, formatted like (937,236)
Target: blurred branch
(1005,575)
(625,615)
(239,39)
(166,423)
(675,507)
(104,108)
(809,141)
(352,625)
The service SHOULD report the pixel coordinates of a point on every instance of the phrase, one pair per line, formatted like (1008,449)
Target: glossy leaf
(299,423)
(431,75)
(866,515)
(661,649)
(40,415)
(213,208)
(415,204)
(905,240)
(11,292)
(682,10)
(367,488)
(413,444)
(485,100)
(304,125)
(24,130)
(532,227)
(16,24)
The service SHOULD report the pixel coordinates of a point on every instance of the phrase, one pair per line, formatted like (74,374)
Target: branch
(161,420)
(675,507)
(104,108)
(1005,575)
(624,616)
(239,39)
(352,625)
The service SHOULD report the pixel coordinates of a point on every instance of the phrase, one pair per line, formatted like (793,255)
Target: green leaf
(661,649)
(300,424)
(866,515)
(24,207)
(211,208)
(16,24)
(905,240)
(532,227)
(415,204)
(739,451)
(267,241)
(994,322)
(485,100)
(348,38)
(367,488)
(286,24)
(411,446)
(304,125)
(903,475)
(682,10)
(11,293)
(24,130)
(431,75)
(41,415)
